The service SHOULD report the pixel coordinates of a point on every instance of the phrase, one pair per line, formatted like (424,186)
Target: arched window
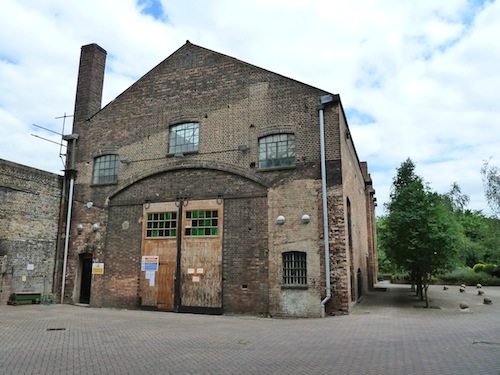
(294,268)
(184,138)
(277,151)
(105,169)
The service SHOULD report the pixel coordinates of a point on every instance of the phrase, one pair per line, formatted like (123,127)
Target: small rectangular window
(277,151)
(294,268)
(184,138)
(161,225)
(105,169)
(202,223)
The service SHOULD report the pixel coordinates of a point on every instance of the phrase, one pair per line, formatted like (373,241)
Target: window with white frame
(105,169)
(277,151)
(294,268)
(184,138)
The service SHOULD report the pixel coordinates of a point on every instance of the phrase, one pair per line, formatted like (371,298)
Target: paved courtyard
(387,333)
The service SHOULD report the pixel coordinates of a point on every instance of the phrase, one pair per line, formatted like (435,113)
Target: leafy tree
(385,265)
(479,239)
(491,180)
(420,233)
(456,199)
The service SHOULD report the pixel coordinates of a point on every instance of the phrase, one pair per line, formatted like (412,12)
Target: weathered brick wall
(245,256)
(235,103)
(293,200)
(29,217)
(339,266)
(244,247)
(354,190)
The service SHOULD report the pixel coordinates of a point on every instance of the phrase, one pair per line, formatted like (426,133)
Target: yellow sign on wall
(97,268)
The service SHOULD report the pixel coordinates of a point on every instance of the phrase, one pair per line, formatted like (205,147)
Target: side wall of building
(356,216)
(29,219)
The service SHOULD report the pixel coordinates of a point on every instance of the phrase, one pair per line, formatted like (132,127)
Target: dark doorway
(360,284)
(86,280)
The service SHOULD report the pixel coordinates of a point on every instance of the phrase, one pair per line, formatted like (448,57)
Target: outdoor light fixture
(125,160)
(305,218)
(79,228)
(280,220)
(242,148)
(178,155)
(95,227)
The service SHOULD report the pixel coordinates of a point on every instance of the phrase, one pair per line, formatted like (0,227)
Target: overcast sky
(417,78)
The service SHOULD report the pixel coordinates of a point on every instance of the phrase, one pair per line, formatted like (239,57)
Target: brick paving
(385,334)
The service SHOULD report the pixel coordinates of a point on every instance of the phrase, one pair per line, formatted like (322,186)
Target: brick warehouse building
(29,222)
(200,189)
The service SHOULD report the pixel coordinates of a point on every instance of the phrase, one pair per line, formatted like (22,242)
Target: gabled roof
(188,52)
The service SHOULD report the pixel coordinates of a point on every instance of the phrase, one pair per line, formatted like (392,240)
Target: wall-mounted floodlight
(242,148)
(325,99)
(125,160)
(179,155)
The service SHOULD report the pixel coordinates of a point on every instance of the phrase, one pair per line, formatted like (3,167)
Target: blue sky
(154,8)
(417,79)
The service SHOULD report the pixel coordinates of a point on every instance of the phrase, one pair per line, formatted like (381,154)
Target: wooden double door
(181,268)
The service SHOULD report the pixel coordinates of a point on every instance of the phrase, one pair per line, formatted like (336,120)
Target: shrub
(496,271)
(400,278)
(478,267)
(488,268)
(469,277)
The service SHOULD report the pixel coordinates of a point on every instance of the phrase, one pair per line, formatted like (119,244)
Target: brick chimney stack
(90,83)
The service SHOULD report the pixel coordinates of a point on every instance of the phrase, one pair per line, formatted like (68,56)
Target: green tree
(491,180)
(479,240)
(420,232)
(385,265)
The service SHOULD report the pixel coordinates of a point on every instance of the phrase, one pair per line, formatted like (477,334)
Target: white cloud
(421,78)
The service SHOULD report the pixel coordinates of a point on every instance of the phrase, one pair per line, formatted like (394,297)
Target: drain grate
(56,329)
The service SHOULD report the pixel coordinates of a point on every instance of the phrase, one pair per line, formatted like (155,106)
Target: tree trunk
(419,287)
(427,305)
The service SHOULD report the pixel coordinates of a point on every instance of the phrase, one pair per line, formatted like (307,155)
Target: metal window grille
(277,150)
(105,169)
(161,225)
(295,268)
(184,138)
(202,223)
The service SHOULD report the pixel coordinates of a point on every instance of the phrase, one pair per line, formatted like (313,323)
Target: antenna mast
(61,144)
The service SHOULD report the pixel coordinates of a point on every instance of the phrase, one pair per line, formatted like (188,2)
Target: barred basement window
(161,224)
(184,138)
(105,169)
(202,223)
(295,268)
(277,151)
